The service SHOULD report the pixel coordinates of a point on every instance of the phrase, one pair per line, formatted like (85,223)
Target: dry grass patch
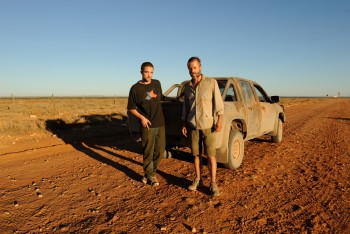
(291,101)
(28,116)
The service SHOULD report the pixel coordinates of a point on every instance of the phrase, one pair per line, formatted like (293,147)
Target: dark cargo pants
(153,145)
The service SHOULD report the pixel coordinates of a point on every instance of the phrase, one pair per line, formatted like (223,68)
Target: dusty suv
(249,113)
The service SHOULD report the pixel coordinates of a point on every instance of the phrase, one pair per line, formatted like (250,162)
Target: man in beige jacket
(202,116)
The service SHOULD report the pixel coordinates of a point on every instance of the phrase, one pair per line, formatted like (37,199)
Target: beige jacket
(203,104)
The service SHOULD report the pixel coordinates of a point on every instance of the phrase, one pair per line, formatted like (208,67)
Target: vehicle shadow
(261,139)
(91,134)
(338,118)
(184,154)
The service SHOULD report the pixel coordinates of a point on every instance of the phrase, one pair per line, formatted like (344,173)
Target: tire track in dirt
(329,137)
(292,202)
(271,169)
(93,185)
(332,141)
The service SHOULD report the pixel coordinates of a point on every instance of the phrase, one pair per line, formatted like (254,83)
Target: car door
(172,109)
(268,112)
(253,113)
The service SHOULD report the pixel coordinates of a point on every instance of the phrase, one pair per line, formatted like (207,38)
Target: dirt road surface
(87,179)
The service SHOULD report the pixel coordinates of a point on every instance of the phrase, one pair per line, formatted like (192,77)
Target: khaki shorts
(205,136)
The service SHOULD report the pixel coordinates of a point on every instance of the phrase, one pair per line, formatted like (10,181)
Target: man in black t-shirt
(144,102)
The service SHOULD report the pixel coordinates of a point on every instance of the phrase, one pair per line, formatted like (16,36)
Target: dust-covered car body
(248,113)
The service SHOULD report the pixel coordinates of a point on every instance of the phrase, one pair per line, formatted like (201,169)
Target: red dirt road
(83,182)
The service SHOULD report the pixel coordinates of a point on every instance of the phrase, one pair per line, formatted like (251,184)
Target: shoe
(154,181)
(214,189)
(144,179)
(195,184)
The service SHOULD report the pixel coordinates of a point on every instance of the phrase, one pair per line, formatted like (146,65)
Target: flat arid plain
(69,165)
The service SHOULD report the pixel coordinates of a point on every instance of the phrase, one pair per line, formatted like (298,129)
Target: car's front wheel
(235,149)
(278,137)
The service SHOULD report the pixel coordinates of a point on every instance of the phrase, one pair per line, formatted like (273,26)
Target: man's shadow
(89,132)
(101,132)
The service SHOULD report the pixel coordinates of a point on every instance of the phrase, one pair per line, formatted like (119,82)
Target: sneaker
(144,179)
(154,181)
(195,184)
(214,189)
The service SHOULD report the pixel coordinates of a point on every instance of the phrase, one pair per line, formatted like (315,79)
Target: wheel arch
(240,125)
(282,116)
(237,124)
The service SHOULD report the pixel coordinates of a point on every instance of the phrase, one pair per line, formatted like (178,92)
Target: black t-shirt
(146,99)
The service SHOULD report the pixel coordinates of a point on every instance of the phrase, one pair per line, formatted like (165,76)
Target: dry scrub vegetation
(27,117)
(24,118)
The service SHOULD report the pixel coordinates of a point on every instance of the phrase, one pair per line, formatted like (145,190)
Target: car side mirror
(275,99)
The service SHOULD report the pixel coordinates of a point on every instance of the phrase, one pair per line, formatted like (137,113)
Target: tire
(235,149)
(167,154)
(278,137)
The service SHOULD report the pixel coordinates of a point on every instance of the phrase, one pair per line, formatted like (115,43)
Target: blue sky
(84,47)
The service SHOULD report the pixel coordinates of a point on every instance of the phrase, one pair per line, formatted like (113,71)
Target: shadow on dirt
(98,132)
(108,130)
(92,133)
(263,138)
(339,118)
(260,140)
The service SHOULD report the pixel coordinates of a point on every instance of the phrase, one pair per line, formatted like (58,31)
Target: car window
(180,96)
(173,93)
(247,91)
(222,85)
(230,94)
(261,94)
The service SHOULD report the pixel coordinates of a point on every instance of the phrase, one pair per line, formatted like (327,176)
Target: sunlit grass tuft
(29,115)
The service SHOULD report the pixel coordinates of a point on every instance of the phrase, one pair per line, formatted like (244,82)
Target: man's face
(195,69)
(147,74)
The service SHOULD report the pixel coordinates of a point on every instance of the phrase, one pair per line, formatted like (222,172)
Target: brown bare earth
(85,177)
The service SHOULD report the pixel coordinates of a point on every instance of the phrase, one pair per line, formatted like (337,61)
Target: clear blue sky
(84,47)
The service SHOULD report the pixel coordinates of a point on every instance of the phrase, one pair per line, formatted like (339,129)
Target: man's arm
(219,107)
(218,125)
(144,121)
(184,114)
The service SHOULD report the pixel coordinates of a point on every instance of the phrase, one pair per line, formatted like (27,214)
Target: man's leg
(213,185)
(198,166)
(196,152)
(147,136)
(209,143)
(197,159)
(212,165)
(159,147)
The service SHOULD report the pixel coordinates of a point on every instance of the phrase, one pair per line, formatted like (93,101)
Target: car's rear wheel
(168,151)
(235,149)
(167,154)
(278,137)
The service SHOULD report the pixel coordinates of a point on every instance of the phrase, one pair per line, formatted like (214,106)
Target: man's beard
(195,75)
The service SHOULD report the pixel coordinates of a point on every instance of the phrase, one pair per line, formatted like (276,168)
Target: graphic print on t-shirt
(151,95)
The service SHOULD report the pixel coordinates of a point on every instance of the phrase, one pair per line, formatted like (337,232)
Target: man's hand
(218,125)
(145,122)
(184,131)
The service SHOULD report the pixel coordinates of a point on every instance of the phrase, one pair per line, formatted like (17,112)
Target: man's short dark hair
(146,64)
(194,59)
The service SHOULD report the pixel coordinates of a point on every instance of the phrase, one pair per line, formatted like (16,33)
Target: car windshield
(221,84)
